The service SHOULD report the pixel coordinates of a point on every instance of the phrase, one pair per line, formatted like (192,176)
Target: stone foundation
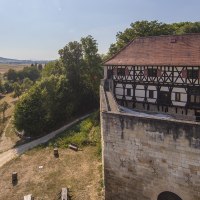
(144,157)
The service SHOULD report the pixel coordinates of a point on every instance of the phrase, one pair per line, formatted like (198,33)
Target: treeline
(32,72)
(67,88)
(19,81)
(150,28)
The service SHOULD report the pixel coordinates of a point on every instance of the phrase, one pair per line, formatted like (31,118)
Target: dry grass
(8,98)
(10,138)
(80,171)
(5,67)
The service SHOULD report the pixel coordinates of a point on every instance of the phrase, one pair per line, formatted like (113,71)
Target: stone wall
(143,157)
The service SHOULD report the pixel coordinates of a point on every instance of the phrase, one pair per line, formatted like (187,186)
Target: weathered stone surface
(143,157)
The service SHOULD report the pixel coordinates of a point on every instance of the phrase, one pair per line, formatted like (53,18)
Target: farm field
(5,67)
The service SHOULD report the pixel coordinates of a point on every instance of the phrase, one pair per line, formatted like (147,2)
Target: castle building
(150,113)
(158,74)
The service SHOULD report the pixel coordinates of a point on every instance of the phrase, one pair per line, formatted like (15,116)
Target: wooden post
(64,195)
(73,147)
(55,151)
(28,197)
(14,177)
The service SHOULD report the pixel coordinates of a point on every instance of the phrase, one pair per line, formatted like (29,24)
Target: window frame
(195,99)
(128,92)
(177,96)
(151,94)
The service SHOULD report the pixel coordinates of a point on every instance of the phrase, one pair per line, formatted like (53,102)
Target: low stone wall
(143,157)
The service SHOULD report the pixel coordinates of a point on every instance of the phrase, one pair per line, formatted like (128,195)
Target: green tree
(40,67)
(44,106)
(27,83)
(150,28)
(17,89)
(7,86)
(92,71)
(29,114)
(68,87)
(11,75)
(31,72)
(54,67)
(72,58)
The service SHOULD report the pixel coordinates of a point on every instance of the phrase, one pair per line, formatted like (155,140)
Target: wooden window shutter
(145,72)
(126,71)
(184,73)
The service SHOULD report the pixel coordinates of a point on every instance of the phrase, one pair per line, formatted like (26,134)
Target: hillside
(42,174)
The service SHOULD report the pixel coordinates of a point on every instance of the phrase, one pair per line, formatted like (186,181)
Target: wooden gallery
(158,74)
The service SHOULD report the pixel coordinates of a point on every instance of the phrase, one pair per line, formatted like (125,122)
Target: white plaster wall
(166,89)
(140,93)
(118,91)
(128,86)
(183,97)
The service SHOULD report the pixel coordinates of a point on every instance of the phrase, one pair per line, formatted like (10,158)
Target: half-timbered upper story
(159,74)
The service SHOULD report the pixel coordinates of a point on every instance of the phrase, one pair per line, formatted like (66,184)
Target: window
(192,73)
(152,72)
(177,96)
(195,98)
(192,98)
(151,94)
(121,72)
(128,91)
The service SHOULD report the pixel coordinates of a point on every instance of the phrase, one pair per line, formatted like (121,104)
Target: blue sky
(37,29)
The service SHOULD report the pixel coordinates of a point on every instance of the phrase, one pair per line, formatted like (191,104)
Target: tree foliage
(151,28)
(28,72)
(27,83)
(43,106)
(17,89)
(53,68)
(68,87)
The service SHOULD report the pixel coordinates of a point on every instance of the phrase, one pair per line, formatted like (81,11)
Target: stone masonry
(144,156)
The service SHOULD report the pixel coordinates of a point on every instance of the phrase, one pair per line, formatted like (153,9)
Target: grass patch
(82,134)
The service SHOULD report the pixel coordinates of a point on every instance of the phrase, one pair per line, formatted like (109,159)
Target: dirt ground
(79,171)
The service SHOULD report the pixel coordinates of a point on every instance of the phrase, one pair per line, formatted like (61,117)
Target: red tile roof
(174,50)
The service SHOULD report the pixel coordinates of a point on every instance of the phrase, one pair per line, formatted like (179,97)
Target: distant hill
(15,61)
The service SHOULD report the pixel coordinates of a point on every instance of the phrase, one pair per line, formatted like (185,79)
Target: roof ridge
(144,37)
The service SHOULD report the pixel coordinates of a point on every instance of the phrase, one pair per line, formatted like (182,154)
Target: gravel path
(13,153)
